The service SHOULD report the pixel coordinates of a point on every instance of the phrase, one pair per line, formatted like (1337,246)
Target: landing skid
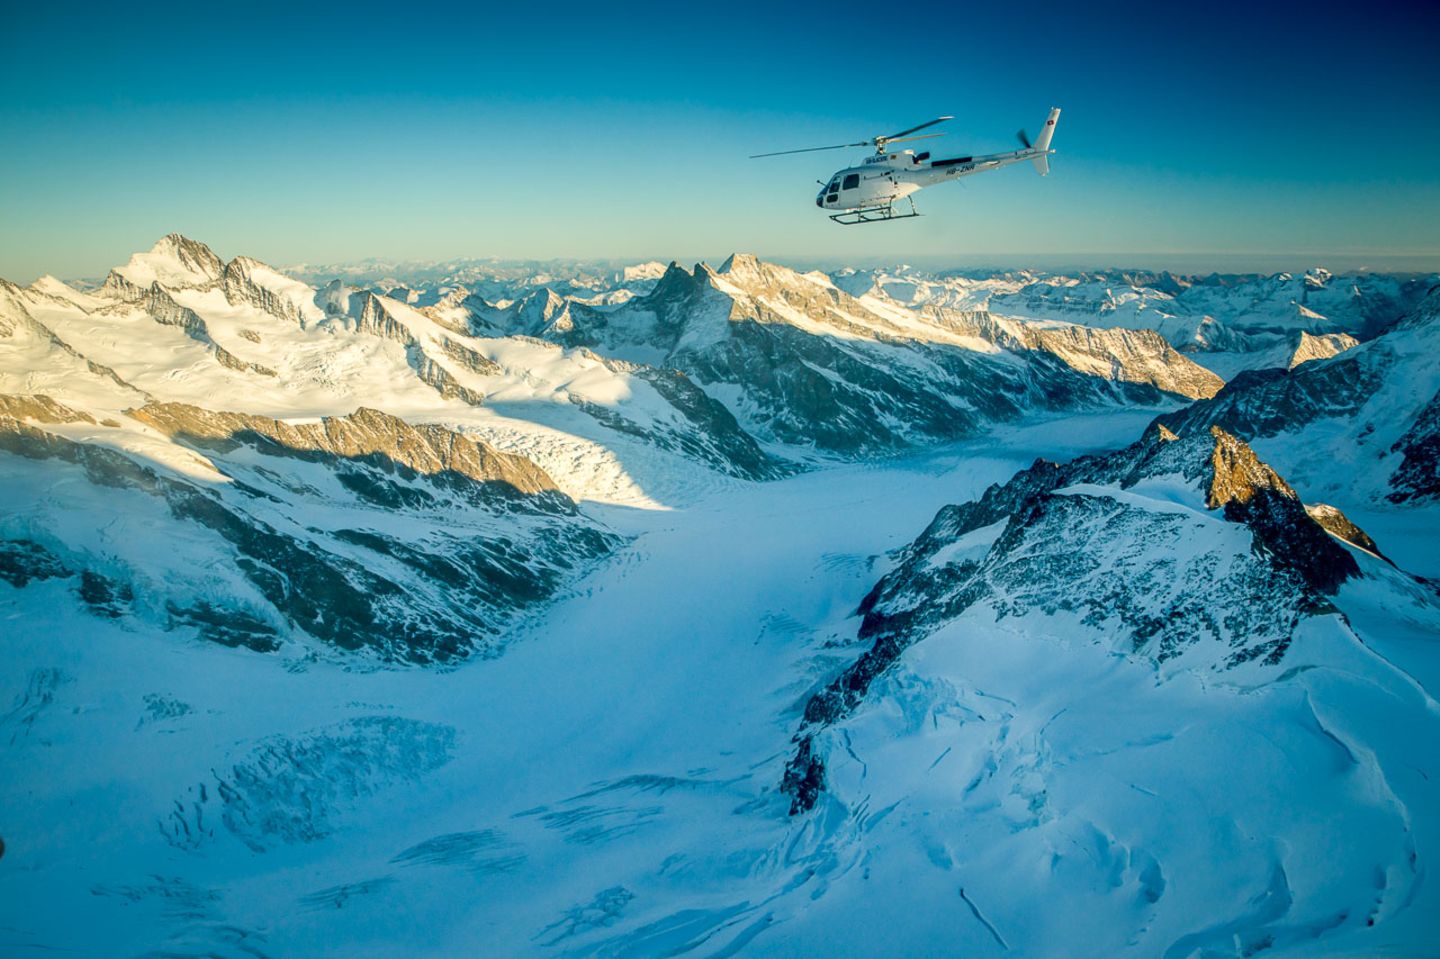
(874,214)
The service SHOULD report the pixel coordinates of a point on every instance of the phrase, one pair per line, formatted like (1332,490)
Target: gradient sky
(1219,135)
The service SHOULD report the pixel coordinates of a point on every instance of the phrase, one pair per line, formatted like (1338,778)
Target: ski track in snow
(609,786)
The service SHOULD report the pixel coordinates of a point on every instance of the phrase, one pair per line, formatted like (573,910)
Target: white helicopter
(867,193)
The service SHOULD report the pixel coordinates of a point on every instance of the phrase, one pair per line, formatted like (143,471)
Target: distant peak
(676,280)
(177,244)
(174,260)
(740,263)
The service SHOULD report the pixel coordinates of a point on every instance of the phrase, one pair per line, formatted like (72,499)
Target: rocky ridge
(1222,574)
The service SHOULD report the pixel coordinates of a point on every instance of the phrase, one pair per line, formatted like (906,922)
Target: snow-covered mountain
(803,363)
(178,325)
(1358,425)
(1226,322)
(618,609)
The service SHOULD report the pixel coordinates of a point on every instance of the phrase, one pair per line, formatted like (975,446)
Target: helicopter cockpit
(829,194)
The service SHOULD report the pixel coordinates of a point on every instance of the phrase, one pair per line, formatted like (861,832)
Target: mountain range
(595,608)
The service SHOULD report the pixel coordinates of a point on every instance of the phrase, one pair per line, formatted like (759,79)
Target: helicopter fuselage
(886,177)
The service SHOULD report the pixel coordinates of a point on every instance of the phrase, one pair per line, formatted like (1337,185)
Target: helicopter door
(833,191)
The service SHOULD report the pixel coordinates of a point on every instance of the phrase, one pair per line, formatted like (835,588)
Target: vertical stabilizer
(1042,143)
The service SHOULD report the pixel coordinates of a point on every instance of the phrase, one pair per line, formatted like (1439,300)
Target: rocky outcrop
(191,255)
(176,262)
(370,436)
(1338,525)
(1066,539)
(41,409)
(1365,404)
(1125,356)
(1417,478)
(1320,346)
(23,561)
(241,284)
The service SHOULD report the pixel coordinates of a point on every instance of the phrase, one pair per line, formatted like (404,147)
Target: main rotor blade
(838,146)
(896,136)
(923,136)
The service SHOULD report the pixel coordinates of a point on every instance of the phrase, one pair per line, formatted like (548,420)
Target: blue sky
(1264,134)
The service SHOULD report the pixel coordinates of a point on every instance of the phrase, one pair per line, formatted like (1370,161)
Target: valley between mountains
(583,609)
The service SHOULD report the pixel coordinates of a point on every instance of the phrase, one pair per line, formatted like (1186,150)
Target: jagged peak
(246,265)
(1237,474)
(179,244)
(1319,346)
(51,284)
(174,260)
(740,263)
(677,281)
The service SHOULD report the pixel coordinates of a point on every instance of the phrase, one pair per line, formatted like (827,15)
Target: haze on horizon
(1247,139)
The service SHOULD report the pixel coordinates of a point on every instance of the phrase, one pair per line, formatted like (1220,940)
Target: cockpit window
(852,181)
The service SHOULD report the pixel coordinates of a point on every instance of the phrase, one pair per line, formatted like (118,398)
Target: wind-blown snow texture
(484,608)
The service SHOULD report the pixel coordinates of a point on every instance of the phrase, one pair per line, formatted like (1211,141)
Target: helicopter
(868,193)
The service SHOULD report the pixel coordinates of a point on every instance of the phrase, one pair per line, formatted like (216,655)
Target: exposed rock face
(1320,346)
(371,436)
(23,561)
(717,437)
(175,261)
(1418,475)
(242,284)
(41,409)
(1127,356)
(1082,540)
(1237,475)
(192,255)
(371,316)
(1338,525)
